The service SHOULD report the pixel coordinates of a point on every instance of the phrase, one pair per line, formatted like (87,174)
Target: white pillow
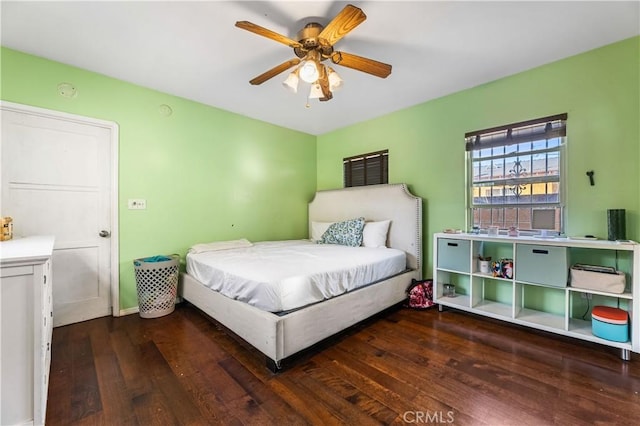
(375,234)
(318,229)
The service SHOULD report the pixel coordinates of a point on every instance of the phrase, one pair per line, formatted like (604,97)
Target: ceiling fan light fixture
(308,71)
(291,83)
(335,81)
(315,44)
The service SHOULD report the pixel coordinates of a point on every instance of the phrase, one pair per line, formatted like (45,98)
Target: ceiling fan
(314,45)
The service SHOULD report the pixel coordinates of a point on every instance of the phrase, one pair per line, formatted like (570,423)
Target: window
(515,169)
(366,169)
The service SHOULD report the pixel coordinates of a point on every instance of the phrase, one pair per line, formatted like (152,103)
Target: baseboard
(136,309)
(129,311)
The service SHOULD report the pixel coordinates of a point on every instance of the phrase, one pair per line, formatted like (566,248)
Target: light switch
(137,204)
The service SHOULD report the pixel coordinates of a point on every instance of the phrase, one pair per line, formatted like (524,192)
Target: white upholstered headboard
(376,202)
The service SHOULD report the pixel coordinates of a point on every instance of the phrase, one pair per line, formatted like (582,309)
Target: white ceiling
(193,50)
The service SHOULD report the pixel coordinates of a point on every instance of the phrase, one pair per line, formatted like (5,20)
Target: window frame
(510,135)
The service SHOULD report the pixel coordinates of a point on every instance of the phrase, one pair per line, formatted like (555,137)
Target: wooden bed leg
(274,366)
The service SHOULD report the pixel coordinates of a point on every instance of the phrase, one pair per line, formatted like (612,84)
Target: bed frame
(279,337)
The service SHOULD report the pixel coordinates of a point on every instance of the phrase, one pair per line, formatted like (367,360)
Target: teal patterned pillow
(347,233)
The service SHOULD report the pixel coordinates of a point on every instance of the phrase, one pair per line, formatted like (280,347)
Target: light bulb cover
(308,71)
(335,81)
(291,83)
(316,91)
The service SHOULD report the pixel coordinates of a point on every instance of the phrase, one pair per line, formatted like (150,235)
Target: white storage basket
(598,281)
(157,285)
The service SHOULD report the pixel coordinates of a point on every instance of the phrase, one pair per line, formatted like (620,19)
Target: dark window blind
(366,169)
(526,131)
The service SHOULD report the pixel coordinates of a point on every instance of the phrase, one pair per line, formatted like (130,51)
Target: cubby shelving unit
(538,294)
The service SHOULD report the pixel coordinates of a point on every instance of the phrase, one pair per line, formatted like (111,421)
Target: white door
(56,180)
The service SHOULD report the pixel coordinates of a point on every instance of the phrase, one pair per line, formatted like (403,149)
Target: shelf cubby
(541,299)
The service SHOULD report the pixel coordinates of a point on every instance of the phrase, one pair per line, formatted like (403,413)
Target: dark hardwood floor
(406,367)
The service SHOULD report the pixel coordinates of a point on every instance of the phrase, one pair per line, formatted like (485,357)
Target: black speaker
(616,224)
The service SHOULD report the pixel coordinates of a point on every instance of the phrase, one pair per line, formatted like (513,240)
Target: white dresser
(26,325)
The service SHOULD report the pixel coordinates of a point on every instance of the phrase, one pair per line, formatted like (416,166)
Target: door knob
(104,234)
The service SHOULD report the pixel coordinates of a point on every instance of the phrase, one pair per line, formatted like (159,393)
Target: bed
(281,331)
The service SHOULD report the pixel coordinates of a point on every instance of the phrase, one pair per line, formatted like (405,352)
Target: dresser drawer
(454,254)
(548,265)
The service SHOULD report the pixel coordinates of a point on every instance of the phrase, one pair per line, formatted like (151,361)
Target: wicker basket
(157,285)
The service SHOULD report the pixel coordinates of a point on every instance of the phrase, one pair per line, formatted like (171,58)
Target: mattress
(279,276)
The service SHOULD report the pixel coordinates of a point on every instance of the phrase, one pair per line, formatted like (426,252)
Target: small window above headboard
(366,169)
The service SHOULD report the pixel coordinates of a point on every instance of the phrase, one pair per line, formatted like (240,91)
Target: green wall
(599,90)
(206,174)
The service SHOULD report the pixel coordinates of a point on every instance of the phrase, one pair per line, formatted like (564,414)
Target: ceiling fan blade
(257,29)
(345,21)
(359,63)
(274,71)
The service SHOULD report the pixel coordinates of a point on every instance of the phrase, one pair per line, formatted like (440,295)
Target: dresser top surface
(36,248)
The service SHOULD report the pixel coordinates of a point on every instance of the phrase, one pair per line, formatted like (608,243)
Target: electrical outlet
(137,204)
(586,295)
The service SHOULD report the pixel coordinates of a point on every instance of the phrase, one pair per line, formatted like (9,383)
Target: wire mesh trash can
(157,284)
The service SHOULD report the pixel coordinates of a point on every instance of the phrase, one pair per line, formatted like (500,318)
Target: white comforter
(283,275)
